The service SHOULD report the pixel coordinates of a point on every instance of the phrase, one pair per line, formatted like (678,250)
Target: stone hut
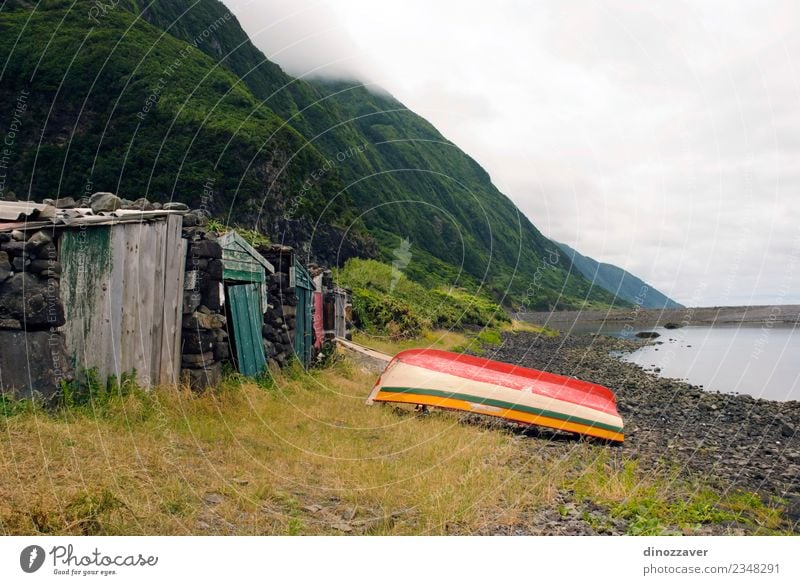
(88,289)
(127,288)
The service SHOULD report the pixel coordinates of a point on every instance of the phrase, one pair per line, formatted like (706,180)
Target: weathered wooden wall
(122,287)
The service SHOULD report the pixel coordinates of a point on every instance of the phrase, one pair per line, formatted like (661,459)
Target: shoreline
(733,442)
(754,315)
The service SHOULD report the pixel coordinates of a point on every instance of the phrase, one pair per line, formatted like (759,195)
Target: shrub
(386,302)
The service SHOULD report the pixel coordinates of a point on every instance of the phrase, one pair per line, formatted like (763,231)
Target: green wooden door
(304,326)
(303,332)
(245,303)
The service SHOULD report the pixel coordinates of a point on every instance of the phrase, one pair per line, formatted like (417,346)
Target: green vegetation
(170,100)
(253,237)
(664,503)
(142,113)
(386,302)
(237,460)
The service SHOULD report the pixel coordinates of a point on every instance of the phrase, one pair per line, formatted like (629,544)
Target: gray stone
(126,203)
(215,269)
(648,334)
(190,220)
(199,379)
(199,320)
(65,203)
(175,206)
(222,350)
(47,252)
(194,234)
(205,249)
(47,355)
(212,499)
(143,204)
(38,240)
(20,263)
(191,300)
(47,201)
(197,341)
(5,266)
(14,248)
(212,296)
(42,265)
(202,216)
(18,235)
(197,360)
(34,302)
(105,202)
(195,263)
(156,205)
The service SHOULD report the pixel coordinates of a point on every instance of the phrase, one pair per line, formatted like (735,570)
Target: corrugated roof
(19,210)
(16,215)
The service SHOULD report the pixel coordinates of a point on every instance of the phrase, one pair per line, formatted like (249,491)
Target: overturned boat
(455,381)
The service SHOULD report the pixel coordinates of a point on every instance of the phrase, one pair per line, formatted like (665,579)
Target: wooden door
(245,311)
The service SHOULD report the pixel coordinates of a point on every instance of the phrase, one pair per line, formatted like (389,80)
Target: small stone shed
(81,291)
(148,291)
(245,274)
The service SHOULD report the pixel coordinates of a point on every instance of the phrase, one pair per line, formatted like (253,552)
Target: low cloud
(662,137)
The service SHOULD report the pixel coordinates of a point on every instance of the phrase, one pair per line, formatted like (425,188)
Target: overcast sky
(661,137)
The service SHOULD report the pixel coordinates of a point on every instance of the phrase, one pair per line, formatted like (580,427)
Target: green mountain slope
(171,100)
(125,107)
(406,178)
(619,282)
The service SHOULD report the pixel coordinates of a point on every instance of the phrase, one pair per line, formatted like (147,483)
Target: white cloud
(662,137)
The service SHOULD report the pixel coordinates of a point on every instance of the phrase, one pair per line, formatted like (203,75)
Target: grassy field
(448,339)
(302,454)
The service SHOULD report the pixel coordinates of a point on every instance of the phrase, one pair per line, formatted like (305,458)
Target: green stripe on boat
(502,404)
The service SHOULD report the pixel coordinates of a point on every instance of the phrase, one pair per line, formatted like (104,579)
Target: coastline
(727,442)
(754,315)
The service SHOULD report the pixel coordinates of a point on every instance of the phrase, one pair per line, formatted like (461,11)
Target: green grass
(662,502)
(299,452)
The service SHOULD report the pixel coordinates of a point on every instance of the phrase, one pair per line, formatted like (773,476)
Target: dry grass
(435,339)
(523,326)
(305,456)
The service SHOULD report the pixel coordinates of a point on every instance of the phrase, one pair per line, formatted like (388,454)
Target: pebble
(736,442)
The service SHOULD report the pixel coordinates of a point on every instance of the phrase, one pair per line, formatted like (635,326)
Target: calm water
(761,361)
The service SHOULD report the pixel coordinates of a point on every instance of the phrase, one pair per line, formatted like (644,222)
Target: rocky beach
(732,443)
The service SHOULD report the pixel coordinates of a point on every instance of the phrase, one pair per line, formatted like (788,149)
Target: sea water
(762,361)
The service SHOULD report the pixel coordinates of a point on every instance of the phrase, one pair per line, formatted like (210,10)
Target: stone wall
(279,320)
(205,338)
(33,358)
